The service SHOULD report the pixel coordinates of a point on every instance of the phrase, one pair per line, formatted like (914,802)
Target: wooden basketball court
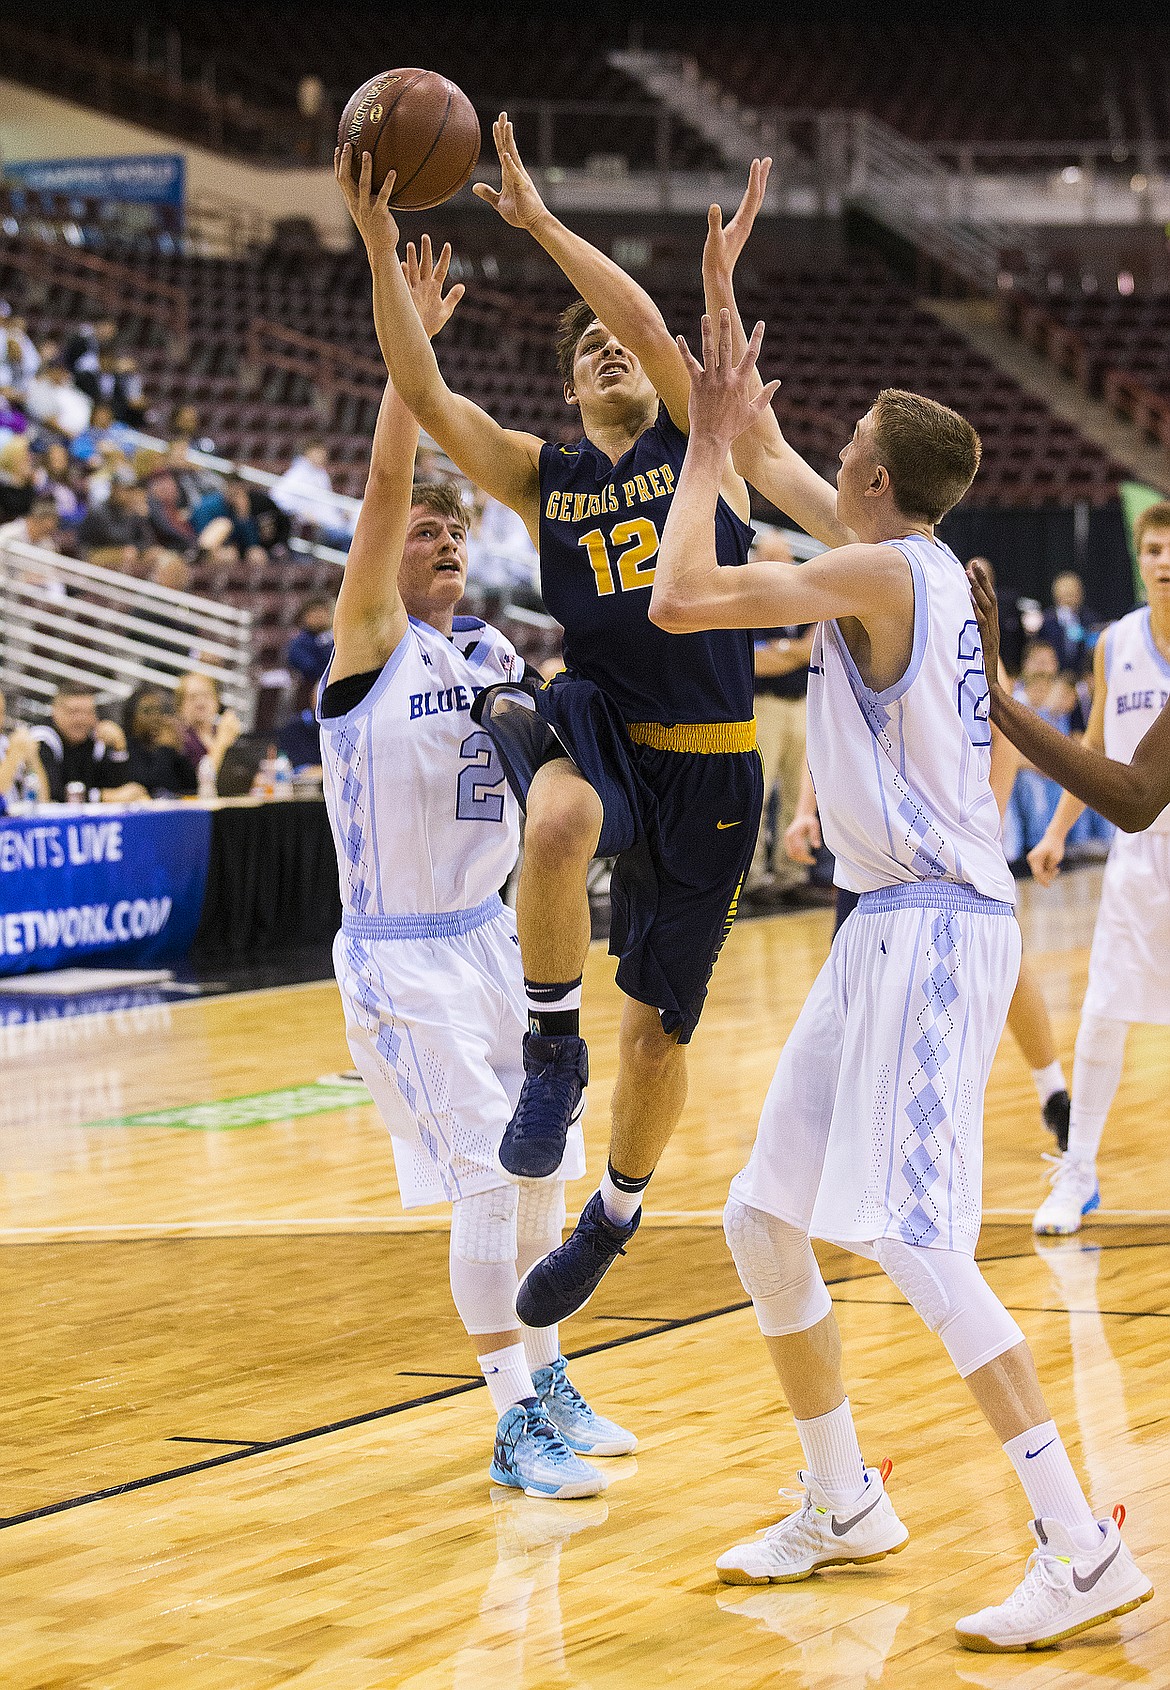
(245,1444)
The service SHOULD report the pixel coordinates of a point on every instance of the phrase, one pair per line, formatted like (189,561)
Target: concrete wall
(38,126)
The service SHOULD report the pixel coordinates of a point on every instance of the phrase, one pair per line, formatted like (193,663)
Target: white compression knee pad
(948,1290)
(777,1269)
(540,1217)
(483,1259)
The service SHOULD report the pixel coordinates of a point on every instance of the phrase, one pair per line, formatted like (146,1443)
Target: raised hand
(724,245)
(721,406)
(516,199)
(370,212)
(425,275)
(987,616)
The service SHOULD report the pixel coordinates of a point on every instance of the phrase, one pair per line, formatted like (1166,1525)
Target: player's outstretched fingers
(710,355)
(694,369)
(442,264)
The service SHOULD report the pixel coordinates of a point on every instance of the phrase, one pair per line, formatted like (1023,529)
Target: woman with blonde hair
(206,729)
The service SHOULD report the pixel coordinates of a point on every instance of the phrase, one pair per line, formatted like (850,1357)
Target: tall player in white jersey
(871,1134)
(427,959)
(1129,980)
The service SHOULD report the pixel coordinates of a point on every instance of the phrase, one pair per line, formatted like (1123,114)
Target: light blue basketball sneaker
(585,1431)
(532,1456)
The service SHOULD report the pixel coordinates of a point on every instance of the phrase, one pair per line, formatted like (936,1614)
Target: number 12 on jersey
(634,563)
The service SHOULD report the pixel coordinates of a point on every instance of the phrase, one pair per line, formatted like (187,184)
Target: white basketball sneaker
(1064,1590)
(819,1535)
(1074,1195)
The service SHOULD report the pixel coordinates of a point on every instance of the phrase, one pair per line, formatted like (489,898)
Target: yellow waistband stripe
(704,738)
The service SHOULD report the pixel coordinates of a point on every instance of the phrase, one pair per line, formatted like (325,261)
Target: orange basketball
(418,124)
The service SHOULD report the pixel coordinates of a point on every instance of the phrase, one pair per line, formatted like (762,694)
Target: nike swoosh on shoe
(839,1528)
(1084,1585)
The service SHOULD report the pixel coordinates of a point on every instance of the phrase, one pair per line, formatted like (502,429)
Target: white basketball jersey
(421,813)
(901,776)
(1137,683)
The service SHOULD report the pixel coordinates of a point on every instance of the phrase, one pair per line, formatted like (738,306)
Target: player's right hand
(1045,858)
(516,199)
(371,212)
(802,837)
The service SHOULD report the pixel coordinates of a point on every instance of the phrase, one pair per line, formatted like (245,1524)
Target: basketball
(419,124)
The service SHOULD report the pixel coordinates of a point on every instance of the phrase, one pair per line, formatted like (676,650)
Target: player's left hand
(987,616)
(516,199)
(720,405)
(370,212)
(425,275)
(724,245)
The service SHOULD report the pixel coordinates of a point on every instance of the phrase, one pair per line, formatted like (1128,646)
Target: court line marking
(291,1439)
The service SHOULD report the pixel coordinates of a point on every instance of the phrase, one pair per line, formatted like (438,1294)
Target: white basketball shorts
(873,1124)
(434,1018)
(1129,964)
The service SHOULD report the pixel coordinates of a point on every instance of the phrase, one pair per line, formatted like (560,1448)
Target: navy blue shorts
(682,826)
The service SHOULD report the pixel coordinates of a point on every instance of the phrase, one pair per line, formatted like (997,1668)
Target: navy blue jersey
(600,526)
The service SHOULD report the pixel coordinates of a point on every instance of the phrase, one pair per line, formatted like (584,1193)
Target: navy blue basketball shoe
(556,1072)
(564,1281)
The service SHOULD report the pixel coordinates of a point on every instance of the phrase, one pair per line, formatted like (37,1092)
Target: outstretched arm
(761,454)
(1131,794)
(504,462)
(691,591)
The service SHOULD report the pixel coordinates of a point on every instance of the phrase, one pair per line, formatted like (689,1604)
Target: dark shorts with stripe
(682,826)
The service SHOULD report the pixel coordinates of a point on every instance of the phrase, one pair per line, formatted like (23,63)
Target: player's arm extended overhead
(504,462)
(614,297)
(1132,795)
(691,591)
(762,455)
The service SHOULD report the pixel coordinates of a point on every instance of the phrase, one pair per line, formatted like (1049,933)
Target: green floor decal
(256,1109)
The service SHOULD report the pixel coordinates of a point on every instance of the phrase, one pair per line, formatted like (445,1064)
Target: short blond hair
(441,498)
(1154,516)
(929,452)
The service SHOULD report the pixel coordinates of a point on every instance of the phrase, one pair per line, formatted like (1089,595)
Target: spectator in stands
(300,740)
(1067,625)
(52,400)
(310,648)
(103,431)
(116,381)
(187,425)
(13,421)
(1034,797)
(241,521)
(17,479)
(155,758)
(193,482)
(40,526)
(501,558)
(83,349)
(169,516)
(19,358)
(76,746)
(305,491)
(22,774)
(118,533)
(58,479)
(206,728)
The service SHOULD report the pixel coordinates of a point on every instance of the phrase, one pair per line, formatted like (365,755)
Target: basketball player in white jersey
(871,1134)
(1129,979)
(426,959)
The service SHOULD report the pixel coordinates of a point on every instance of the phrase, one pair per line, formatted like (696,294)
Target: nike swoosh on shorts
(722,825)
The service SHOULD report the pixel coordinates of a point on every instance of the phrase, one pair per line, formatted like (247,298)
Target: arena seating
(1118,349)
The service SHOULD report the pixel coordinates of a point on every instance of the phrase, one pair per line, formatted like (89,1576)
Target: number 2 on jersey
(640,540)
(477,799)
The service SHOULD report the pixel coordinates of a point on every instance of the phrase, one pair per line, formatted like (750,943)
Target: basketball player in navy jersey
(643,750)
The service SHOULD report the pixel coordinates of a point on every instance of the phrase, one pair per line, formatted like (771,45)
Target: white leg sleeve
(777,1269)
(948,1291)
(1097,1064)
(483,1260)
(539,1223)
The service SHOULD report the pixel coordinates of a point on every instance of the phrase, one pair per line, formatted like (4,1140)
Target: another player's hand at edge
(425,275)
(516,199)
(723,246)
(1045,858)
(987,616)
(802,837)
(721,407)
(370,212)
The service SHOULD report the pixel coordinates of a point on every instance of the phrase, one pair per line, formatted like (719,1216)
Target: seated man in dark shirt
(310,648)
(75,746)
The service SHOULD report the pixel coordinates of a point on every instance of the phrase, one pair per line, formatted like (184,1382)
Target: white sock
(542,1345)
(1097,1065)
(540,1219)
(1048,1081)
(833,1454)
(507,1376)
(1054,1491)
(619,1204)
